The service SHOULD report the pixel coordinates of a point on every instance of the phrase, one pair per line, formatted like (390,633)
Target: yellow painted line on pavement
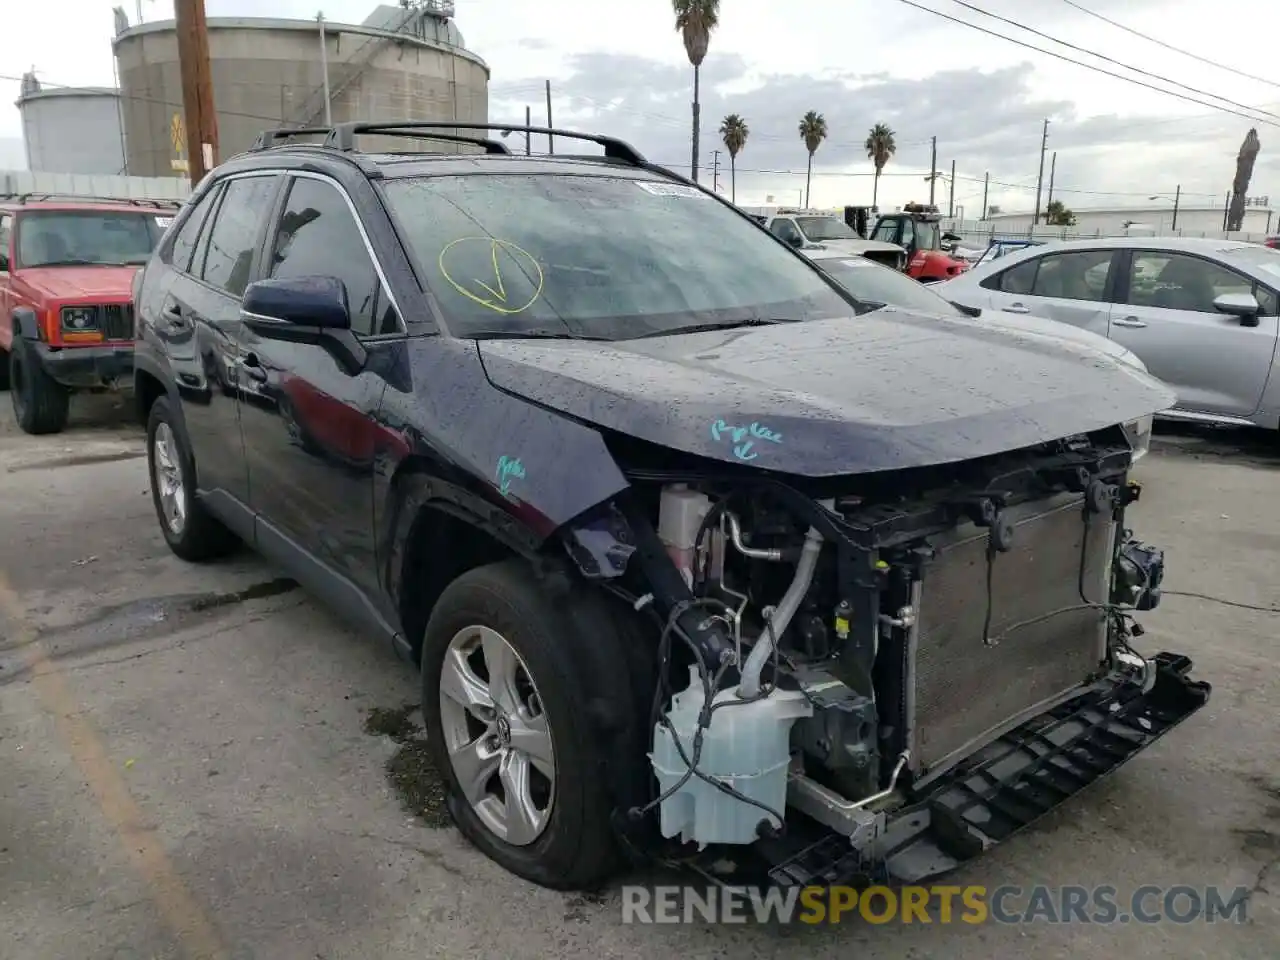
(181,911)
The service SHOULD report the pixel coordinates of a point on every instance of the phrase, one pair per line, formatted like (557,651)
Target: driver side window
(787,230)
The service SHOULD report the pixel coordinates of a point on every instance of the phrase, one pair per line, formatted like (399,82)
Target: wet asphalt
(202,762)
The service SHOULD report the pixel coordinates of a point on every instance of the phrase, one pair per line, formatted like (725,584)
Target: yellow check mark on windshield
(500,294)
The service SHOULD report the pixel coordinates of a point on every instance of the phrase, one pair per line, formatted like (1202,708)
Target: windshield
(591,256)
(69,237)
(818,229)
(927,235)
(872,283)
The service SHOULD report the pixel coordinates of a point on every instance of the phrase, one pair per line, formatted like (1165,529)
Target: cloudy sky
(621,68)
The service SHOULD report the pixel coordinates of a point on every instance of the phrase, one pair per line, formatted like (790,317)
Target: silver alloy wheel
(497,736)
(167,477)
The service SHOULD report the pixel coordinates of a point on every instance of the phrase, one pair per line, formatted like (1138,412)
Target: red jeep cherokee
(66,274)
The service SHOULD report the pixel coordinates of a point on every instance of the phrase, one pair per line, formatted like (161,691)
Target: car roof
(1190,244)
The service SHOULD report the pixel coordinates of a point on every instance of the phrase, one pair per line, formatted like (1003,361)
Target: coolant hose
(782,614)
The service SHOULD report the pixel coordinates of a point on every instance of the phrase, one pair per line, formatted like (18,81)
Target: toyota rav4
(700,557)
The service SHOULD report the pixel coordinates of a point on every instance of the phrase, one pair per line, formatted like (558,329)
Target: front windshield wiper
(531,335)
(723,325)
(77,262)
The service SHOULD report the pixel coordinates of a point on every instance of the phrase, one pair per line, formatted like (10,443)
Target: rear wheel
(510,695)
(4,369)
(190,530)
(40,404)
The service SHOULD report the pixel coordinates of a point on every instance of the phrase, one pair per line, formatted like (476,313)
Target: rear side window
(1073,276)
(184,242)
(233,237)
(1018,279)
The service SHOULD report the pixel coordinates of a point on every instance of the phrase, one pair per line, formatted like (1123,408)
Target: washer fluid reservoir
(746,747)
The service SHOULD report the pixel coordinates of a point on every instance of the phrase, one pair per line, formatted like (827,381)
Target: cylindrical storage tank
(71,129)
(402,64)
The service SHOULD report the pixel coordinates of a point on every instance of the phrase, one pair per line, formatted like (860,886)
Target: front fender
(26,323)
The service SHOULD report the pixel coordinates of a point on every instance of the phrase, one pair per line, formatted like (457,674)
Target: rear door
(1072,287)
(200,313)
(310,431)
(1216,363)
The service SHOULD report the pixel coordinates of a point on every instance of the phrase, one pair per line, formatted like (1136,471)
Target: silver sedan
(1204,315)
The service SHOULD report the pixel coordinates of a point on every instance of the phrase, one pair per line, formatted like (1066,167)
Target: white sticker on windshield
(669,189)
(163,222)
(859,262)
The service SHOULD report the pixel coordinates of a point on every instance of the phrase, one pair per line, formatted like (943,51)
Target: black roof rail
(343,135)
(72,197)
(490,146)
(268,138)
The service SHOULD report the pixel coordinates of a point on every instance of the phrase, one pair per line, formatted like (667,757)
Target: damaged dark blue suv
(701,556)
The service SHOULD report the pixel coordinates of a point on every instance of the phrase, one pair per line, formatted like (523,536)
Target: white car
(873,284)
(1203,314)
(807,230)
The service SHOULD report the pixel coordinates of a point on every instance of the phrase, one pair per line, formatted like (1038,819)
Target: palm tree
(733,130)
(695,19)
(813,130)
(880,147)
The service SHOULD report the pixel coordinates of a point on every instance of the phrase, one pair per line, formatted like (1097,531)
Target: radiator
(961,691)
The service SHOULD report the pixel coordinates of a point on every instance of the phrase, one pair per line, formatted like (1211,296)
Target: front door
(200,321)
(1215,363)
(309,429)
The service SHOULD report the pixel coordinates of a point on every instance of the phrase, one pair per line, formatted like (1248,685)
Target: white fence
(980,232)
(15,182)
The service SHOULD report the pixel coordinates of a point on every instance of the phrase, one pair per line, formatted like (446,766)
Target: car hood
(883,391)
(858,246)
(81,283)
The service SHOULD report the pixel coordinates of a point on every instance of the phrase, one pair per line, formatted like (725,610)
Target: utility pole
(951,200)
(1053,169)
(1226,212)
(1177,195)
(528,122)
(551,141)
(715,171)
(986,183)
(1044,143)
(197,88)
(324,69)
(933,167)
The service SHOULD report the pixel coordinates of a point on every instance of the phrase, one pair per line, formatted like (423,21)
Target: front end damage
(883,675)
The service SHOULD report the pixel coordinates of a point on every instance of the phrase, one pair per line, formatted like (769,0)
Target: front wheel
(190,530)
(508,707)
(41,405)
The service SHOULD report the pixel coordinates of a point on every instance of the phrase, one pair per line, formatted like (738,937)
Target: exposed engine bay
(838,661)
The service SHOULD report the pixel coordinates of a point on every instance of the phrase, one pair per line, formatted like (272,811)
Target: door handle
(1129,322)
(253,368)
(1017,308)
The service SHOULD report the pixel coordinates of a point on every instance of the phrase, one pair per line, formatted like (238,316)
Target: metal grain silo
(71,129)
(404,62)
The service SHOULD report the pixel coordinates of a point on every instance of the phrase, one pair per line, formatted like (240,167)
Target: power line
(1106,59)
(1087,66)
(1169,46)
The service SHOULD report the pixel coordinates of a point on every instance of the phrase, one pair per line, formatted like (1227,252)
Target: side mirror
(300,302)
(1242,305)
(950,237)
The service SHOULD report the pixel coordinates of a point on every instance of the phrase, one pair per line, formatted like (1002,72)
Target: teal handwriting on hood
(824,398)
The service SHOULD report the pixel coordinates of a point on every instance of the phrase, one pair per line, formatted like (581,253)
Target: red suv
(67,267)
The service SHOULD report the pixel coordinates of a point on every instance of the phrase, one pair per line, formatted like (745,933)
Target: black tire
(573,643)
(4,367)
(200,537)
(40,403)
